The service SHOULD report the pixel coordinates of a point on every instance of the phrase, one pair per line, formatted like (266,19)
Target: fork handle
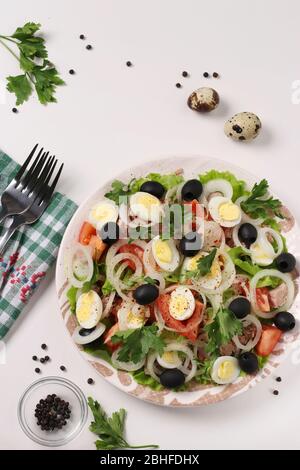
(17,222)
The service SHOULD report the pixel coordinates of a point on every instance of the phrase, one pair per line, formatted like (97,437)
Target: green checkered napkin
(32,250)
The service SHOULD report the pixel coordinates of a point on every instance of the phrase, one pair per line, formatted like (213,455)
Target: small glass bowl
(66,390)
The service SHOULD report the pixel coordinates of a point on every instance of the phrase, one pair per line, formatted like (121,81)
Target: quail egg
(243,126)
(203,100)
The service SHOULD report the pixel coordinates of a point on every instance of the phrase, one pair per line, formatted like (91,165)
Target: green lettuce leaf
(243,261)
(238,186)
(168,181)
(71,296)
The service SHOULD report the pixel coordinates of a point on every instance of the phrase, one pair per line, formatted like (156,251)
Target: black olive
(172,378)
(285,321)
(248,362)
(146,294)
(110,233)
(190,244)
(153,187)
(86,331)
(192,189)
(285,262)
(240,306)
(247,234)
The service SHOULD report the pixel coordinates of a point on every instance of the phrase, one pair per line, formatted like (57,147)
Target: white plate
(197,394)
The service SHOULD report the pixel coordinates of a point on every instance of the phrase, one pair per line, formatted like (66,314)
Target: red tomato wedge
(108,335)
(192,324)
(262,299)
(134,250)
(86,232)
(268,340)
(98,247)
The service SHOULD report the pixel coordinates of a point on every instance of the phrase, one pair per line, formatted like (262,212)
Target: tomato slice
(108,335)
(262,299)
(86,232)
(192,324)
(98,247)
(134,250)
(197,212)
(268,340)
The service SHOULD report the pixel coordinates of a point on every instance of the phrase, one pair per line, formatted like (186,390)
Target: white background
(110,117)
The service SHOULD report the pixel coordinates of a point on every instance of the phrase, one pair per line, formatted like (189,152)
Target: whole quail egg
(203,100)
(243,126)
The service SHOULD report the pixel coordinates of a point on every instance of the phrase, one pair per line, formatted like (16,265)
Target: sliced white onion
(236,240)
(88,270)
(218,185)
(273,273)
(95,334)
(128,366)
(149,368)
(252,342)
(113,277)
(189,353)
(276,236)
(215,301)
(149,264)
(109,304)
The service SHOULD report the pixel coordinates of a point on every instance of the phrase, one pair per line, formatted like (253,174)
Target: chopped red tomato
(192,324)
(108,335)
(98,247)
(262,299)
(197,212)
(86,232)
(268,340)
(134,250)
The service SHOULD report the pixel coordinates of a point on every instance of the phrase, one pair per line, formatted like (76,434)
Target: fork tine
(48,192)
(26,163)
(25,179)
(40,173)
(52,170)
(45,176)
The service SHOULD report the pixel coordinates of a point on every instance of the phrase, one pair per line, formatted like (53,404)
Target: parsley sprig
(204,265)
(110,430)
(257,207)
(136,343)
(222,329)
(39,73)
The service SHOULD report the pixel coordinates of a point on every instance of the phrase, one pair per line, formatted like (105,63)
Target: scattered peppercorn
(128,63)
(37,370)
(178,85)
(88,47)
(52,413)
(275,392)
(62,368)
(82,36)
(14,110)
(278,379)
(42,360)
(47,358)
(215,75)
(44,346)
(71,72)
(90,381)
(206,74)
(34,358)
(185,73)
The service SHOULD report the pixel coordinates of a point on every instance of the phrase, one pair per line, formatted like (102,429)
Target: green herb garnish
(203,265)
(110,429)
(136,343)
(257,207)
(222,329)
(39,73)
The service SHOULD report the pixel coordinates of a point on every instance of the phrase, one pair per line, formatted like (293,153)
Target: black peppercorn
(62,368)
(47,358)
(34,358)
(129,63)
(275,392)
(88,47)
(178,85)
(185,74)
(215,75)
(44,346)
(42,360)
(14,110)
(82,36)
(90,381)
(37,370)
(278,379)
(71,72)
(206,74)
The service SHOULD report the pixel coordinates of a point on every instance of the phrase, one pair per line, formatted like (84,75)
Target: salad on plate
(178,281)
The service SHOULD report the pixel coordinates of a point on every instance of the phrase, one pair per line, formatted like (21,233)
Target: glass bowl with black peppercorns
(52,411)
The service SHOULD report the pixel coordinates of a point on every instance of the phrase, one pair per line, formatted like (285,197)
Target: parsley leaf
(136,343)
(222,329)
(110,430)
(118,190)
(39,73)
(257,207)
(203,265)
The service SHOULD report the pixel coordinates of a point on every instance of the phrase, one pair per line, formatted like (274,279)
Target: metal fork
(20,193)
(41,201)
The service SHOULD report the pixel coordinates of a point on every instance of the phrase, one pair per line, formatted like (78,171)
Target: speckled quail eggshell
(203,100)
(243,126)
